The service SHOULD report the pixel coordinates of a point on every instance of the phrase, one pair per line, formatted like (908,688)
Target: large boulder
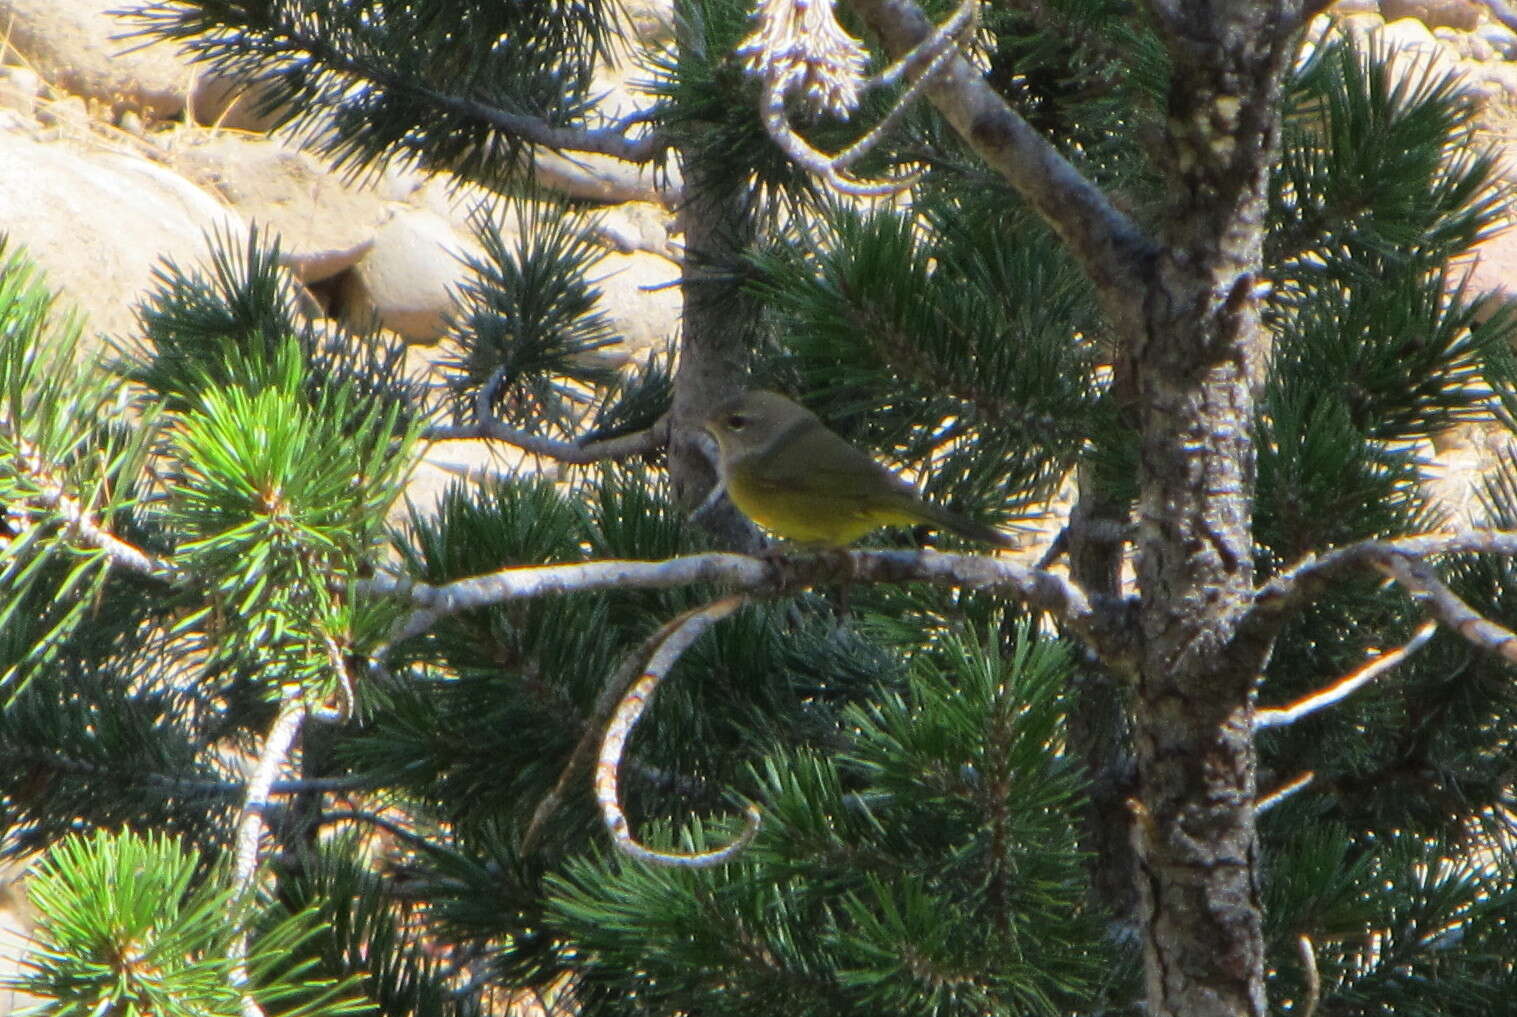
(1461,14)
(80,47)
(325,223)
(98,222)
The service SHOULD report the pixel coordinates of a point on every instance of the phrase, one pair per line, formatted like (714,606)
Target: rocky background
(114,156)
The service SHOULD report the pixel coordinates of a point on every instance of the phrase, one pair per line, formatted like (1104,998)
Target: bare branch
(1348,684)
(1268,801)
(602,141)
(1101,622)
(1113,250)
(595,725)
(368,818)
(829,168)
(1307,577)
(1304,580)
(1309,971)
(621,447)
(1422,582)
(680,635)
(250,827)
(939,43)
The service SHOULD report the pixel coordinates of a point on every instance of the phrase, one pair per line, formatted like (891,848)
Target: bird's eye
(736,422)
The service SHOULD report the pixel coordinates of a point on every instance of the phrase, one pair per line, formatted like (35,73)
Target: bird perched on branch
(787,472)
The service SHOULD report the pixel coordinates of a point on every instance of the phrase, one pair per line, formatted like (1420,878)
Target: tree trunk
(719,332)
(1184,305)
(1198,365)
(1100,731)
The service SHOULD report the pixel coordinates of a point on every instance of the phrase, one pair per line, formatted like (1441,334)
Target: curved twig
(782,64)
(681,633)
(600,717)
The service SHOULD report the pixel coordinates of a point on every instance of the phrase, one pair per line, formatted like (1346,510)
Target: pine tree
(282,757)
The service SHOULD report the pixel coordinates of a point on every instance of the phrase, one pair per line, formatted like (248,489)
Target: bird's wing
(820,462)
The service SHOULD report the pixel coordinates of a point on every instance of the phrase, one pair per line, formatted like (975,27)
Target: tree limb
(621,447)
(1347,685)
(1102,622)
(1114,252)
(1419,579)
(679,636)
(1312,573)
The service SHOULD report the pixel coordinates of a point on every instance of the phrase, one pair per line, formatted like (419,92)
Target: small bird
(787,472)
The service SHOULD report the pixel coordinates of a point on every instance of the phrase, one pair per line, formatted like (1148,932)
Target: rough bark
(1198,364)
(1100,733)
(719,331)
(1183,303)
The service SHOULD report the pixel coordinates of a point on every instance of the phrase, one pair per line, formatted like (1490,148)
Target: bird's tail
(946,519)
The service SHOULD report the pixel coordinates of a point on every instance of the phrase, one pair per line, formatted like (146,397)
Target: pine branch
(54,499)
(318,50)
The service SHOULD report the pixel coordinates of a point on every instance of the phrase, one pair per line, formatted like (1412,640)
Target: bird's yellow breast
(809,516)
